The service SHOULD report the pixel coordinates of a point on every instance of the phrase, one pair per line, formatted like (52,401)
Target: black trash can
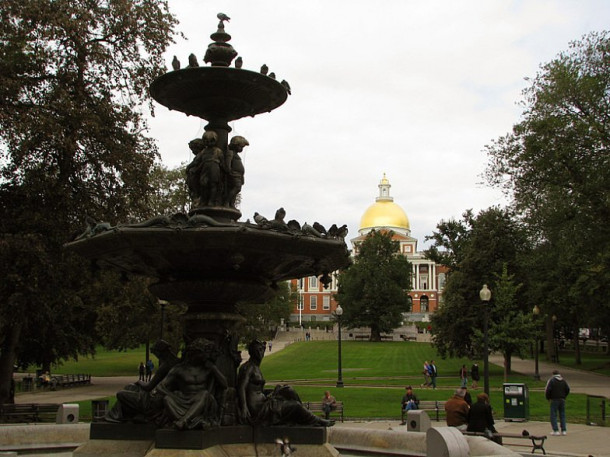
(516,402)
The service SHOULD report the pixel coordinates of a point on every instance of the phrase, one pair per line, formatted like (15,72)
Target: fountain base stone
(143,440)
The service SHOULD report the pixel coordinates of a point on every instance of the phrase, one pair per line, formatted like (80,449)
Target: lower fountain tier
(232,254)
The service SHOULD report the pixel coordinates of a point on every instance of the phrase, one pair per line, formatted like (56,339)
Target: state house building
(314,303)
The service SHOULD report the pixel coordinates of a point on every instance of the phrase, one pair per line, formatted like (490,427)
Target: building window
(423,304)
(441,280)
(300,306)
(424,284)
(313,303)
(326,302)
(313,282)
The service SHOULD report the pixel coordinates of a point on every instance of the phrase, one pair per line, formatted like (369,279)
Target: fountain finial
(220,53)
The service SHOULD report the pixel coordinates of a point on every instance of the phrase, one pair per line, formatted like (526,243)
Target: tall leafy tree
(73,78)
(373,291)
(476,248)
(556,165)
(511,327)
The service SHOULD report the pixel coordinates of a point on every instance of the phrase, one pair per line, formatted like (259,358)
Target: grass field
(374,374)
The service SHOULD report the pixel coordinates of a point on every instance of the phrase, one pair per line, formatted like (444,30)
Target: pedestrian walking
(556,391)
(141,371)
(463,376)
(150,366)
(433,374)
(426,375)
(474,372)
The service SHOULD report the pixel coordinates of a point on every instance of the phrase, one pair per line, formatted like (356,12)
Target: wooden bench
(316,407)
(69,380)
(28,412)
(426,405)
(537,441)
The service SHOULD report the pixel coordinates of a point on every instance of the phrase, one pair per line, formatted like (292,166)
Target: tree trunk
(507,365)
(375,334)
(7,362)
(577,357)
(550,347)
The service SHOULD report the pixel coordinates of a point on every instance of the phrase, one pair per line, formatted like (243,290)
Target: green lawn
(374,375)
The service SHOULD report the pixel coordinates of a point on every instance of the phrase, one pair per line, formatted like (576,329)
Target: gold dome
(384,213)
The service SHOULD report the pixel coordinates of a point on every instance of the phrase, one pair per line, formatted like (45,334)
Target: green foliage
(373,291)
(73,144)
(263,319)
(170,193)
(478,248)
(556,165)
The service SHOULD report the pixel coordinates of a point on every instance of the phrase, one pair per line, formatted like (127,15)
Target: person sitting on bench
(409,400)
(328,404)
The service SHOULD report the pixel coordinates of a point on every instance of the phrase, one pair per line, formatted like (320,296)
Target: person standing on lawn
(556,391)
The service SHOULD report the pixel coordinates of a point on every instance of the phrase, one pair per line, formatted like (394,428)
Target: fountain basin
(219,93)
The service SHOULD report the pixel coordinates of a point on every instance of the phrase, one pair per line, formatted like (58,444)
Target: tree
(511,328)
(556,165)
(73,76)
(170,193)
(373,290)
(477,247)
(263,319)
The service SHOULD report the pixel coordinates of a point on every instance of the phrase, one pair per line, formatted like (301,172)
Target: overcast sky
(413,89)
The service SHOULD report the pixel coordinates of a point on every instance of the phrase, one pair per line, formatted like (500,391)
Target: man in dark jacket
(557,389)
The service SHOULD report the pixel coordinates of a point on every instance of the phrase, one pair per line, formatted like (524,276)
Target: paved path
(580,381)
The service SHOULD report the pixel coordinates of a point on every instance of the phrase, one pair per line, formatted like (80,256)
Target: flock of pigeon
(316,230)
(176,65)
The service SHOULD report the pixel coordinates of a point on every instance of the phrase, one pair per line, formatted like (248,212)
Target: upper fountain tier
(218,92)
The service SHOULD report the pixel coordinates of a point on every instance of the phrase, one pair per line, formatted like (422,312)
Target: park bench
(537,440)
(28,412)
(426,405)
(316,407)
(70,380)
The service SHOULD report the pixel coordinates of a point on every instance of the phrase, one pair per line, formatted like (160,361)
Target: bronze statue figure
(282,406)
(140,402)
(194,390)
(235,168)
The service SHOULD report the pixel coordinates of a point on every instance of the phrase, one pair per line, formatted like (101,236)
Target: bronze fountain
(210,261)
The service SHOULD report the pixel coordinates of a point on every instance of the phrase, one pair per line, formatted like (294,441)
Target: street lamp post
(555,344)
(485,296)
(339,313)
(536,312)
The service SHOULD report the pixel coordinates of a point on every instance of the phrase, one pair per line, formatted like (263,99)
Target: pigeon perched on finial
(286,86)
(264,69)
(193,61)
(223,17)
(272,75)
(239,62)
(176,63)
